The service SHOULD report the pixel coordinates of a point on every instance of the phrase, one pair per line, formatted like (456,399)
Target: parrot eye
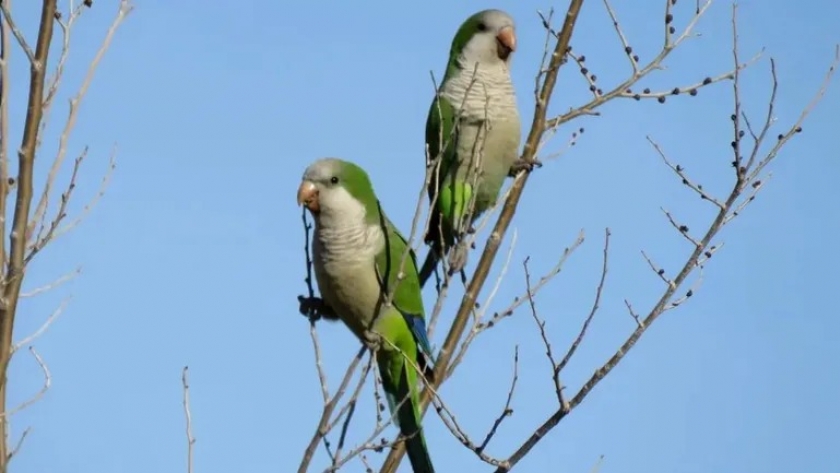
(334,180)
(482,27)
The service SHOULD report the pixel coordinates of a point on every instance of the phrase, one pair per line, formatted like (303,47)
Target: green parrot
(356,255)
(473,123)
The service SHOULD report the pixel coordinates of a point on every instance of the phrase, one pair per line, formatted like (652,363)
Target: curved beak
(308,195)
(507,41)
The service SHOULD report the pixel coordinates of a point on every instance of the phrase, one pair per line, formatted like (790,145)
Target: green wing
(441,131)
(442,135)
(408,298)
(408,332)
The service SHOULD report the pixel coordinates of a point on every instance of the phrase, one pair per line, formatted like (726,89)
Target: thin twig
(125,8)
(185,383)
(53,284)
(43,328)
(478,316)
(103,186)
(595,306)
(555,373)
(19,36)
(545,279)
(621,90)
(507,411)
(680,172)
(703,249)
(326,414)
(4,416)
(350,408)
(492,246)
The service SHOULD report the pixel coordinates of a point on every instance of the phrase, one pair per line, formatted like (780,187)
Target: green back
(407,296)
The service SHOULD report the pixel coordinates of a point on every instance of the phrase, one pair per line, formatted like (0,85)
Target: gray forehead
(497,18)
(321,169)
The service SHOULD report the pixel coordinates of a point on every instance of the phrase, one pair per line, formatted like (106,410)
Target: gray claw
(373,341)
(522,165)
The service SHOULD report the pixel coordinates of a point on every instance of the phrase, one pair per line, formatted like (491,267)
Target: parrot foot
(522,165)
(372,340)
(458,257)
(315,308)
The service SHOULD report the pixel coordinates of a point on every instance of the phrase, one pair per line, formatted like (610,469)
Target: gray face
(318,180)
(322,191)
(495,40)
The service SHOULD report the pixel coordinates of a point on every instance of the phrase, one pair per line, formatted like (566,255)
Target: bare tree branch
(5,56)
(555,373)
(4,416)
(23,241)
(7,15)
(624,89)
(52,285)
(329,407)
(702,249)
(185,384)
(14,269)
(596,304)
(543,281)
(749,180)
(492,246)
(43,328)
(507,411)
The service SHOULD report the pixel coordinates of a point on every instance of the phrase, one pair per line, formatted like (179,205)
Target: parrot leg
(457,257)
(316,308)
(522,165)
(372,340)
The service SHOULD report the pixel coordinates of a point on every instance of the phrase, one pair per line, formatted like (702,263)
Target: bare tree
(756,143)
(33,227)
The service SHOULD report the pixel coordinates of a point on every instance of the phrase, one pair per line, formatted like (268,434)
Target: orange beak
(308,195)
(507,38)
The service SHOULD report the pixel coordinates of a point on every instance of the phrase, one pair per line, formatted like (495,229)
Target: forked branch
(702,251)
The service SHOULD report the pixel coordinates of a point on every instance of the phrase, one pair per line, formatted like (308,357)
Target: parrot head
(486,37)
(332,187)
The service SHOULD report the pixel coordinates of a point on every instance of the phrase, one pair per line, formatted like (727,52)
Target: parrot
(473,124)
(356,256)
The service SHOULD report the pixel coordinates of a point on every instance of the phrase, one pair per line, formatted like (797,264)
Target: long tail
(428,266)
(399,381)
(433,239)
(409,421)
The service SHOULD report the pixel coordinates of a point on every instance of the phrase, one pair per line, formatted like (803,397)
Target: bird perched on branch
(360,259)
(473,128)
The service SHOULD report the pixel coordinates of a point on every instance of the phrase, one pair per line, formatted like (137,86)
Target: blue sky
(194,257)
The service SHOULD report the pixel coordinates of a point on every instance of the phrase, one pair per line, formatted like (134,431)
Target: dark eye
(334,180)
(482,27)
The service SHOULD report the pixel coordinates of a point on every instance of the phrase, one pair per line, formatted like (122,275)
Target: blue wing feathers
(417,325)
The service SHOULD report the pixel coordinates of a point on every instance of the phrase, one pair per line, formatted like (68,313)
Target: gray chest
(495,141)
(347,280)
(490,147)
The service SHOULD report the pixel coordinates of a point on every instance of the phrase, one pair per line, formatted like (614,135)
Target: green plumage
(357,253)
(473,126)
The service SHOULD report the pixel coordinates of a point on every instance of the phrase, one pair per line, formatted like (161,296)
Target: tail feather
(428,266)
(433,239)
(404,402)
(408,416)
